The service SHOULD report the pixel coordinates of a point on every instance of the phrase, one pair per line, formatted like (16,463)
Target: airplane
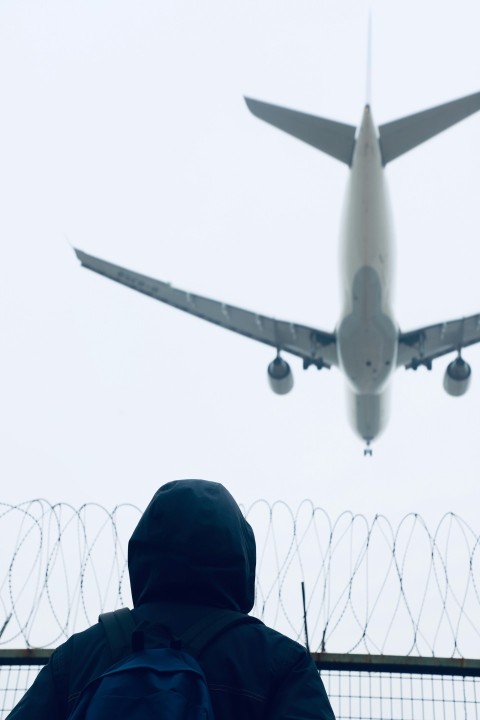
(367,344)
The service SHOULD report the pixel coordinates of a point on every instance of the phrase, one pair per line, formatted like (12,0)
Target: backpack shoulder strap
(119,626)
(202,633)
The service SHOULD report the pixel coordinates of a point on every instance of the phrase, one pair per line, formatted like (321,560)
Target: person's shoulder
(93,635)
(275,637)
(282,651)
(82,649)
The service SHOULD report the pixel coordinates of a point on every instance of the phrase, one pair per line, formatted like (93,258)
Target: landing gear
(368,450)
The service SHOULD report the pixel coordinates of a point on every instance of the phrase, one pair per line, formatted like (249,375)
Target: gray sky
(124,132)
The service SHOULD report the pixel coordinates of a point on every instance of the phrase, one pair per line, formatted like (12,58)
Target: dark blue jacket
(192,551)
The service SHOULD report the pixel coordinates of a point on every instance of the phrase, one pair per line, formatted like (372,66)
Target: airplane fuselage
(367,335)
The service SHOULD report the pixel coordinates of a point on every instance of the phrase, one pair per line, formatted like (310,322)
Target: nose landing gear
(368,451)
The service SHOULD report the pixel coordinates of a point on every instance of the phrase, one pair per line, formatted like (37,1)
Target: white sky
(123,129)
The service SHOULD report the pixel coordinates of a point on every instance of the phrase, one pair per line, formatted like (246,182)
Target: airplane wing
(420,347)
(314,346)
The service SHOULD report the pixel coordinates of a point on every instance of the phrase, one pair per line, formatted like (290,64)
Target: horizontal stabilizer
(399,136)
(334,138)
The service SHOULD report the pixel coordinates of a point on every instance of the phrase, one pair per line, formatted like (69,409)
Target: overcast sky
(123,132)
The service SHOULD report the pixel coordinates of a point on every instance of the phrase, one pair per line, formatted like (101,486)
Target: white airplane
(367,344)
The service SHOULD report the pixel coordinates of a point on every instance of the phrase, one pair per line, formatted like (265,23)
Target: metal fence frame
(360,686)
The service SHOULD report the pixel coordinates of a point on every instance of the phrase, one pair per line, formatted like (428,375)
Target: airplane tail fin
(334,138)
(400,136)
(369,60)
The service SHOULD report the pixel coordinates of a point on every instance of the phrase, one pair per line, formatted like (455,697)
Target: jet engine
(457,377)
(280,376)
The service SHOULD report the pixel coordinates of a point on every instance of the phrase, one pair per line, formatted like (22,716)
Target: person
(193,551)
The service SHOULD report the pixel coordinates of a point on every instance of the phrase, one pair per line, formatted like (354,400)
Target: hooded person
(193,552)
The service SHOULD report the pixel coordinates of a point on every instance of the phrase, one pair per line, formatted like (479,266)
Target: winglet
(80,255)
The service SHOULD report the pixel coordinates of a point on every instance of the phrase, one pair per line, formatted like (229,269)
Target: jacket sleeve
(301,695)
(41,701)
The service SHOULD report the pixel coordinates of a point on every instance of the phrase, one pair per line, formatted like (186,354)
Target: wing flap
(314,346)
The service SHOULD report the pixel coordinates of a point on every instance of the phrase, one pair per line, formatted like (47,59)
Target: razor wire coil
(371,587)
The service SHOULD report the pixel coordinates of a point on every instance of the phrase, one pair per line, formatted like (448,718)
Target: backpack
(165,683)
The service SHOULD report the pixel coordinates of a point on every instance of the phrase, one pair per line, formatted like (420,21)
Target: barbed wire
(370,587)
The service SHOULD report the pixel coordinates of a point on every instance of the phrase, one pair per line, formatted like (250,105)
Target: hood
(192,544)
